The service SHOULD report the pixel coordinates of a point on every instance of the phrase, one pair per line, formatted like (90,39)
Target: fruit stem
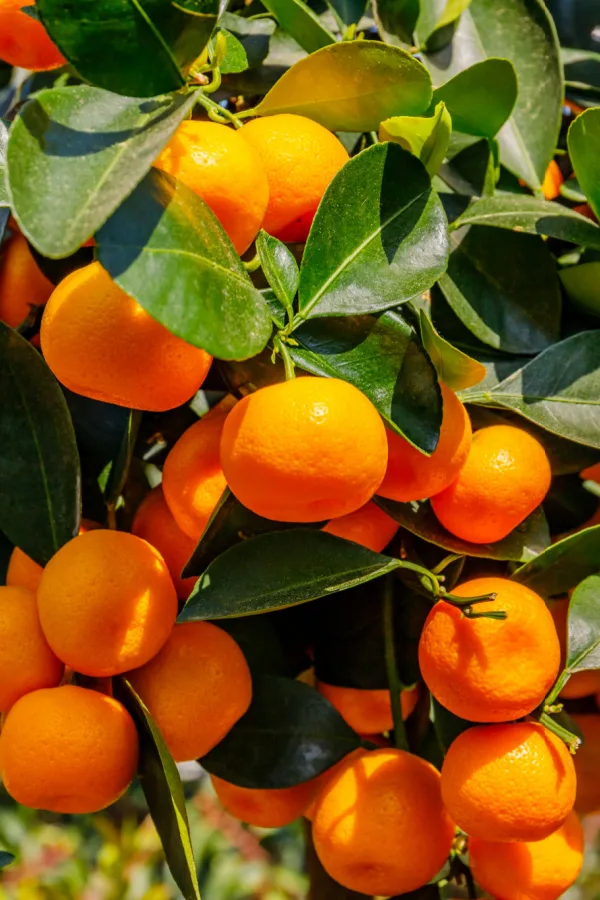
(558,686)
(217,113)
(447,561)
(394,684)
(570,739)
(434,585)
(252,265)
(288,362)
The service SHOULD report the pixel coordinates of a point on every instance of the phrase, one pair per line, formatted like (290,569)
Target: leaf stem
(215,112)
(558,686)
(435,587)
(394,684)
(445,562)
(288,362)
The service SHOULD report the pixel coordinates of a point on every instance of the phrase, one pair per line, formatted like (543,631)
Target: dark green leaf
(32,12)
(167,249)
(481,98)
(234,57)
(397,18)
(6,859)
(473,169)
(582,284)
(454,367)
(76,152)
(447,726)
(350,12)
(299,20)
(120,465)
(290,734)
(280,269)
(584,150)
(437,14)
(392,248)
(563,565)
(583,645)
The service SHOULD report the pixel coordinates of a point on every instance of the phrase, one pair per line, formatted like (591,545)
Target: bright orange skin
(552,181)
(372,806)
(412,476)
(26,661)
(367,712)
(25,42)
(218,165)
(101,343)
(304,450)
(68,750)
(542,870)
(107,602)
(485,670)
(369,526)
(506,476)
(300,158)
(587,763)
(265,808)
(511,782)
(23,571)
(592,473)
(154,523)
(196,688)
(581,684)
(193,479)
(22,285)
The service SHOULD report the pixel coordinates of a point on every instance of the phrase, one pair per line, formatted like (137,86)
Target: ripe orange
(552,181)
(506,476)
(304,450)
(582,684)
(154,523)
(218,165)
(486,670)
(24,42)
(300,158)
(592,473)
(101,343)
(542,870)
(412,476)
(587,763)
(68,750)
(106,602)
(374,805)
(193,479)
(22,285)
(369,526)
(367,712)
(271,808)
(23,571)
(196,688)
(511,782)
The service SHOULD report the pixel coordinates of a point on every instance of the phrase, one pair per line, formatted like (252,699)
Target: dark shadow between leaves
(397,225)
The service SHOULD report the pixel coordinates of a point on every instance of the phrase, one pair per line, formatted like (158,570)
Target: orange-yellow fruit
(506,476)
(326,777)
(581,684)
(196,688)
(304,450)
(412,476)
(217,164)
(154,523)
(271,808)
(542,870)
(382,801)
(369,526)
(22,285)
(300,158)
(24,42)
(587,763)
(193,479)
(592,473)
(68,750)
(26,661)
(23,571)
(107,602)
(553,180)
(488,670)
(101,343)
(512,782)
(365,711)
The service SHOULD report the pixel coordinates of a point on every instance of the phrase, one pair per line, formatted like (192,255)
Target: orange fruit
(101,343)
(23,571)
(68,750)
(300,158)
(196,688)
(367,711)
(369,526)
(488,670)
(154,523)
(412,476)
(592,473)
(107,602)
(26,661)
(581,684)
(539,870)
(304,450)
(506,476)
(374,805)
(270,808)
(193,479)
(325,777)
(587,763)
(552,181)
(217,164)
(22,285)
(510,782)
(24,42)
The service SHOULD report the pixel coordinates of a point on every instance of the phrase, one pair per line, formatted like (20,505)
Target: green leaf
(4,201)
(582,284)
(253,34)
(119,468)
(454,367)
(6,859)
(163,792)
(350,12)
(396,18)
(32,12)
(280,269)
(299,20)
(166,248)
(393,247)
(436,14)
(274,571)
(234,57)
(426,138)
(563,565)
(40,482)
(481,98)
(352,86)
(473,170)
(129,48)
(584,150)
(289,735)
(583,645)
(514,308)
(522,32)
(75,153)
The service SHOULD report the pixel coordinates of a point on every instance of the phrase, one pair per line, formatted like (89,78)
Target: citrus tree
(298,308)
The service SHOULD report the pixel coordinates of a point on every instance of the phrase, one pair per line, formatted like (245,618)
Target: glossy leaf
(584,150)
(290,734)
(563,565)
(352,86)
(472,171)
(350,12)
(253,34)
(436,14)
(582,284)
(234,56)
(119,469)
(299,20)
(393,247)
(76,152)
(583,645)
(280,269)
(396,18)
(167,249)
(454,368)
(426,138)
(481,98)
(4,201)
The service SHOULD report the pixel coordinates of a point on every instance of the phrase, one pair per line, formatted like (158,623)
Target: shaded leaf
(584,150)
(299,20)
(481,98)
(447,726)
(280,269)
(454,367)
(350,12)
(119,469)
(6,859)
(436,14)
(397,17)
(582,284)
(426,138)
(4,200)
(583,645)
(472,170)
(563,565)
